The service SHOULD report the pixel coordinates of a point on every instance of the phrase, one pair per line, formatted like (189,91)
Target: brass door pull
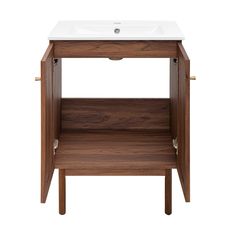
(193,77)
(37,79)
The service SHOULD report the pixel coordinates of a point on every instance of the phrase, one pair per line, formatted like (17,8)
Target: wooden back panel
(115,114)
(50,116)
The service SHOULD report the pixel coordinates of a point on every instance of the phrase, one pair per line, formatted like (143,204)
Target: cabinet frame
(51,103)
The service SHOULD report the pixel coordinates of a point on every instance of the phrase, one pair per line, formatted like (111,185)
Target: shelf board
(98,152)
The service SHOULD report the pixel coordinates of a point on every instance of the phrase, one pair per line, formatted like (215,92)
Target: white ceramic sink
(116,30)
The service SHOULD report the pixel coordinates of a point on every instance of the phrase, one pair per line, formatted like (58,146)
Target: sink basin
(116,30)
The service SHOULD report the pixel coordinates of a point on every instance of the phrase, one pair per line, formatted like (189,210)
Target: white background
(118,205)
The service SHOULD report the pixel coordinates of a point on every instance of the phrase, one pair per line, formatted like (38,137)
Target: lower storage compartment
(115,137)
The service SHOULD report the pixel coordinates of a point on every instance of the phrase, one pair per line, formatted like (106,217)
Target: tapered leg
(168,192)
(62,192)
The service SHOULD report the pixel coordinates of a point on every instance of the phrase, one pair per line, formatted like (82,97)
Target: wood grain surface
(121,172)
(47,122)
(115,114)
(168,191)
(62,192)
(105,151)
(183,160)
(115,49)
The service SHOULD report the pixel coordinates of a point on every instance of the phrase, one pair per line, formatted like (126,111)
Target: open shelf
(115,137)
(105,151)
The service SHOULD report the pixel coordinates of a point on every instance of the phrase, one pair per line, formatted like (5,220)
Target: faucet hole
(116,30)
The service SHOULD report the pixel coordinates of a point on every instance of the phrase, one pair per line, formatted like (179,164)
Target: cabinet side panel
(173,96)
(57,90)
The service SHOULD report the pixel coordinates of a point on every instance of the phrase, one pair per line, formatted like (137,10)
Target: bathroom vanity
(115,137)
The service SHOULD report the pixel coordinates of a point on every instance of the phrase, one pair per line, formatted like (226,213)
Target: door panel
(183,129)
(47,123)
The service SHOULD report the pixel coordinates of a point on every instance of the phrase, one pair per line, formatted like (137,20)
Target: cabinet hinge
(175,145)
(175,60)
(55,146)
(55,61)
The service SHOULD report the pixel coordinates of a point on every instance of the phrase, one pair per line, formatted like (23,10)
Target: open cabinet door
(183,132)
(47,124)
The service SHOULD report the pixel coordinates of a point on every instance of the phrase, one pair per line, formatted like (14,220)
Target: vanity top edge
(114,39)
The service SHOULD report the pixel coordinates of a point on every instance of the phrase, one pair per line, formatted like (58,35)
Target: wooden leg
(62,192)
(168,192)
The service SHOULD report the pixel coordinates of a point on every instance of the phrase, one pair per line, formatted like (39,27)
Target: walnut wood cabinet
(115,136)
